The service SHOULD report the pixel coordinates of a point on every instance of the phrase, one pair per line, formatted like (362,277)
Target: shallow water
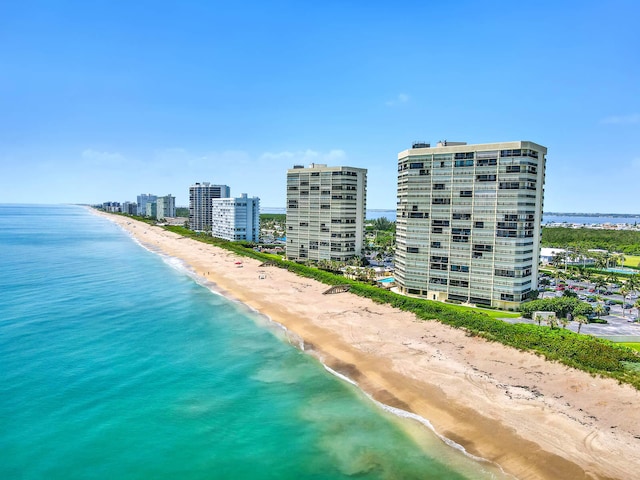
(117,364)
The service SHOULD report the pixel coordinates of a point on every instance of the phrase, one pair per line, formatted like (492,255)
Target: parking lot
(618,325)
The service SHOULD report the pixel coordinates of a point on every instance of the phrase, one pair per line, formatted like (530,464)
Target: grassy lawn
(634,346)
(632,261)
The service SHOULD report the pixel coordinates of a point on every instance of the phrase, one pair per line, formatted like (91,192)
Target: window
(424,172)
(478,224)
(413,250)
(486,178)
(440,223)
(436,230)
(435,244)
(511,153)
(509,185)
(438,186)
(487,162)
(499,272)
(478,247)
(460,268)
(461,216)
(463,163)
(417,165)
(441,281)
(464,156)
(416,215)
(513,168)
(441,201)
(466,193)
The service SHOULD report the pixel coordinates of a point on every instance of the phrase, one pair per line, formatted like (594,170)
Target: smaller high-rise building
(143,199)
(325,212)
(236,218)
(165,207)
(130,208)
(200,197)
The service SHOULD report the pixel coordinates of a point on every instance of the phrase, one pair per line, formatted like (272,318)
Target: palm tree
(581,319)
(599,310)
(624,291)
(620,258)
(637,305)
(538,318)
(552,321)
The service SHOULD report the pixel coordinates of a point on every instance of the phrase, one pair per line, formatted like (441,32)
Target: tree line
(624,241)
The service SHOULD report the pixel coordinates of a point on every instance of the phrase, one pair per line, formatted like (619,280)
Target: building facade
(325,212)
(143,199)
(130,208)
(200,197)
(468,221)
(236,218)
(165,207)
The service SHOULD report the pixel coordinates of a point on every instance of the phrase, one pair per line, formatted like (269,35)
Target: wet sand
(534,418)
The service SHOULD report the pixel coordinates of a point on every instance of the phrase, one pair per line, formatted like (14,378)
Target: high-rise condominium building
(468,221)
(236,218)
(143,199)
(165,207)
(325,212)
(200,196)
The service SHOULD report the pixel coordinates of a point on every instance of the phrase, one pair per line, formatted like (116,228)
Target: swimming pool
(622,270)
(387,280)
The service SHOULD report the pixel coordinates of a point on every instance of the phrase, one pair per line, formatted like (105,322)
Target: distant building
(112,207)
(165,207)
(151,209)
(200,197)
(130,208)
(468,221)
(236,218)
(143,199)
(325,212)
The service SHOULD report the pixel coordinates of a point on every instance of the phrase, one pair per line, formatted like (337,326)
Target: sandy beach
(534,418)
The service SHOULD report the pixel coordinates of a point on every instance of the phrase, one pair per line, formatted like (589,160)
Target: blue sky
(104,100)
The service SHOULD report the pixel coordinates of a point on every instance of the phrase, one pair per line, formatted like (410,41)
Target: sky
(105,100)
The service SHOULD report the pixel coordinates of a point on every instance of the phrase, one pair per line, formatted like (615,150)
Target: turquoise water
(622,270)
(387,280)
(116,364)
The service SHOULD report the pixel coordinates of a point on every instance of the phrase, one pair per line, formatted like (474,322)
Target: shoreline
(531,417)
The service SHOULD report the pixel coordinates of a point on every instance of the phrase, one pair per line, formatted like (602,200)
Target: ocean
(547,217)
(117,364)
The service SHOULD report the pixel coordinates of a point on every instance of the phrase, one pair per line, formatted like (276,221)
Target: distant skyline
(103,101)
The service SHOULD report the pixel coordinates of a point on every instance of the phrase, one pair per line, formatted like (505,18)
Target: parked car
(609,302)
(627,306)
(592,290)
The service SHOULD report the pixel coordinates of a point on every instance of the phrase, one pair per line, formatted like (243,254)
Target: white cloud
(400,99)
(98,158)
(305,157)
(630,119)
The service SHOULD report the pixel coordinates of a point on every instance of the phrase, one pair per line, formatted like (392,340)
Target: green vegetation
(632,261)
(587,353)
(625,241)
(182,212)
(634,346)
(277,217)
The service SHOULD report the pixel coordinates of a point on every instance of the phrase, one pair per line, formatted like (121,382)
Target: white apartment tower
(200,196)
(236,218)
(325,212)
(468,221)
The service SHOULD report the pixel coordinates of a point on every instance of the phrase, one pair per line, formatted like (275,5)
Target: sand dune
(536,419)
